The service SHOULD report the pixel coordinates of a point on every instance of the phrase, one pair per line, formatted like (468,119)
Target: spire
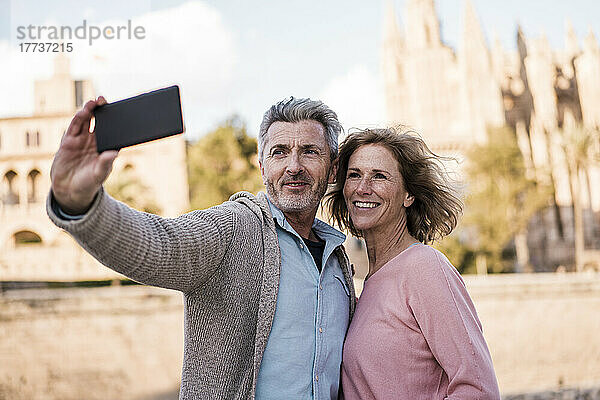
(497,58)
(473,40)
(543,45)
(497,48)
(571,42)
(521,43)
(422,25)
(391,31)
(590,43)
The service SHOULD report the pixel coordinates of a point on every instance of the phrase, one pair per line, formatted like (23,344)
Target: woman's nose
(364,186)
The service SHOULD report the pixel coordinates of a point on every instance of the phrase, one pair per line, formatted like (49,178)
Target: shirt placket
(319,335)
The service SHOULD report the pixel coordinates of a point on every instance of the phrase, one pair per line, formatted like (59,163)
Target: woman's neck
(385,244)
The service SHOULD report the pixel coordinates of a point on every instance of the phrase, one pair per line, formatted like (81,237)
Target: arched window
(26,238)
(10,194)
(32,186)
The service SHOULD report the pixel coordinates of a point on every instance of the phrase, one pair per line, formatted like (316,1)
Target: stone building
(451,97)
(31,247)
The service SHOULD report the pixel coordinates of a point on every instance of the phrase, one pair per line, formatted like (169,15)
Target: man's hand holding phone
(84,159)
(78,170)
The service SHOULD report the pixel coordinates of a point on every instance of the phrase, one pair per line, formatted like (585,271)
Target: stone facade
(451,98)
(31,247)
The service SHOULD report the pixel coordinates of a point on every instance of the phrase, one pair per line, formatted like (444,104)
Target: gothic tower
(483,98)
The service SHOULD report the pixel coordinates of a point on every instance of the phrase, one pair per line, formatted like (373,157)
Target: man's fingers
(105,162)
(81,120)
(100,101)
(89,109)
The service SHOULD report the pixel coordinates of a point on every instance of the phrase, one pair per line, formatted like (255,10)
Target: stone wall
(542,329)
(126,342)
(564,394)
(105,343)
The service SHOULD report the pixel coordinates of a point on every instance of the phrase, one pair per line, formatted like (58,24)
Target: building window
(32,139)
(78,94)
(32,186)
(26,238)
(9,194)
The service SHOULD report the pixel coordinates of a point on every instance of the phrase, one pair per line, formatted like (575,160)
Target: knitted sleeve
(175,253)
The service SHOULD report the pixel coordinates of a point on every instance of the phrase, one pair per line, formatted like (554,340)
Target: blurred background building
(549,98)
(31,247)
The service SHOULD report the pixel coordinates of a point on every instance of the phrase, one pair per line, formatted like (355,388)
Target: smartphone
(149,116)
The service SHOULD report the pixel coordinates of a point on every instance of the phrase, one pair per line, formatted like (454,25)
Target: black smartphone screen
(138,119)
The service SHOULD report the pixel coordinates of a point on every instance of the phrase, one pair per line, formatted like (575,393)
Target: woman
(415,333)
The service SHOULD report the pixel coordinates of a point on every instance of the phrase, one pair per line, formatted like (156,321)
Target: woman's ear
(409,200)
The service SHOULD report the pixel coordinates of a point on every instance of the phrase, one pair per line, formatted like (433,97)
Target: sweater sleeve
(447,318)
(175,253)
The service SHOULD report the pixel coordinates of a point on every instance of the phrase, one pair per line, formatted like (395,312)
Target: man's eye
(310,151)
(379,176)
(277,152)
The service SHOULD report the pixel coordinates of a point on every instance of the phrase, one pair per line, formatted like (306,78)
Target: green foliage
(460,254)
(126,187)
(501,198)
(580,145)
(221,163)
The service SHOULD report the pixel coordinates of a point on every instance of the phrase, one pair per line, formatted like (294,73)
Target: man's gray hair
(296,110)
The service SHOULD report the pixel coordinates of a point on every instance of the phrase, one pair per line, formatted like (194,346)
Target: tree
(221,163)
(126,187)
(501,199)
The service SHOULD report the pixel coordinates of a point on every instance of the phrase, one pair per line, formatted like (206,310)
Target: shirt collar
(324,230)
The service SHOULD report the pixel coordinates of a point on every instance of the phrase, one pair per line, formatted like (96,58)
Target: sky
(239,57)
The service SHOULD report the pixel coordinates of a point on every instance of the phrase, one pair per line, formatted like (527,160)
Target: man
(267,288)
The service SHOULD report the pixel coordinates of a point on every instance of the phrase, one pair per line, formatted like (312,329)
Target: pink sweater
(416,335)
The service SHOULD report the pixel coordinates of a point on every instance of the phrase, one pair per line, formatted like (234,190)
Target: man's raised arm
(177,253)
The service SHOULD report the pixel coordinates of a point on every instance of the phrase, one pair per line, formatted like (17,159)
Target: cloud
(17,71)
(357,98)
(188,45)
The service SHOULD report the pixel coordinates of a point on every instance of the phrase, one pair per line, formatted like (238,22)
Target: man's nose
(294,166)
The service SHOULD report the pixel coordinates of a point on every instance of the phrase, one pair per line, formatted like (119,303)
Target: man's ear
(262,171)
(333,171)
(409,200)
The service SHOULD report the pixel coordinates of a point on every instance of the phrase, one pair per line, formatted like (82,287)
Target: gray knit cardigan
(225,260)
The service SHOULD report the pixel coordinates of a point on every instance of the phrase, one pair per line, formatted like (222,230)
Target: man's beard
(289,202)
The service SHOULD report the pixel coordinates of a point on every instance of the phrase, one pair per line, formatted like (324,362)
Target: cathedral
(452,96)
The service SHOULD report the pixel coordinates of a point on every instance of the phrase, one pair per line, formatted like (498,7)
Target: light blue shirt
(304,352)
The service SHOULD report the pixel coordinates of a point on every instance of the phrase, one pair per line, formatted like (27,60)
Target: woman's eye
(379,176)
(352,175)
